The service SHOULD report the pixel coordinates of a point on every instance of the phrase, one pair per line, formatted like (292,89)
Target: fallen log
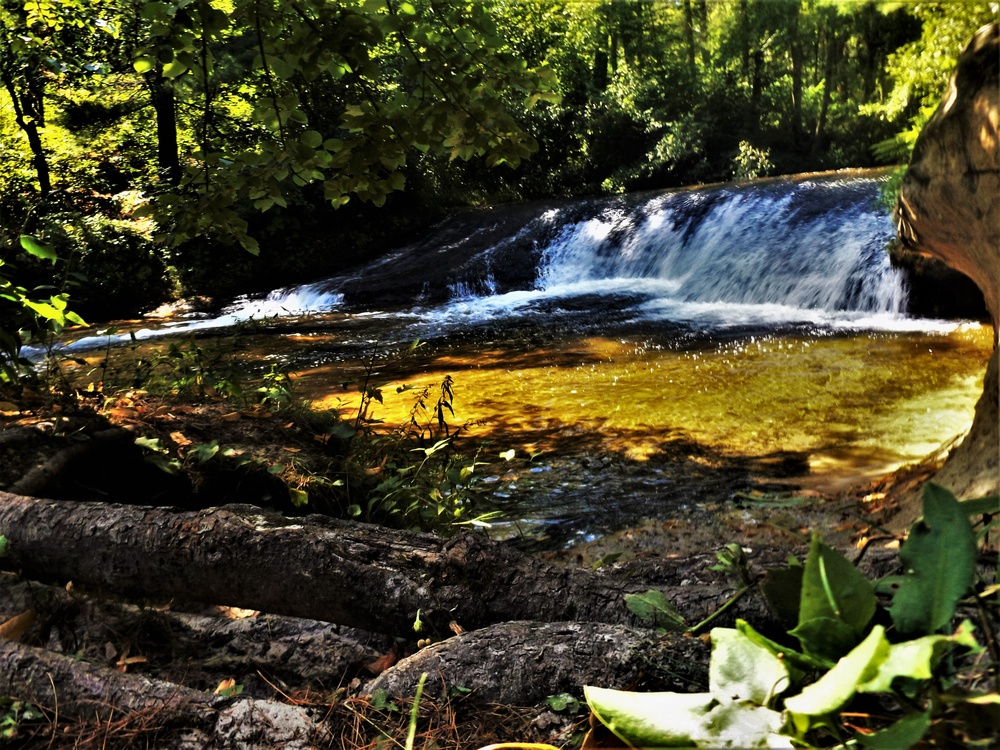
(319,568)
(195,649)
(176,716)
(521,663)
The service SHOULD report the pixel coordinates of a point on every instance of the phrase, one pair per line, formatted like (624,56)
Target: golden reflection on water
(858,404)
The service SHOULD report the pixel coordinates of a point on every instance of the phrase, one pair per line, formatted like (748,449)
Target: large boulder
(949,208)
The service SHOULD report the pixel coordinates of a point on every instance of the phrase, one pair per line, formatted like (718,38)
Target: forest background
(142,142)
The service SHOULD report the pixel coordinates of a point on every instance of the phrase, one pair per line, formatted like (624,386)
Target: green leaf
(904,734)
(915,659)
(981,505)
(743,725)
(152,444)
(174,69)
(39,249)
(144,64)
(311,138)
(825,638)
(741,670)
(204,453)
(299,498)
(782,589)
(563,702)
(834,595)
(839,685)
(789,656)
(939,557)
(653,607)
(650,719)
(3,545)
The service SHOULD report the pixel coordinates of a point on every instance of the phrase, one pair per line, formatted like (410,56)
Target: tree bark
(177,716)
(797,65)
(29,114)
(829,84)
(341,572)
(165,107)
(948,208)
(521,663)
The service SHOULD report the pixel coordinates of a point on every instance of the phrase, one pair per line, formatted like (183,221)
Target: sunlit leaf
(39,249)
(741,670)
(839,685)
(650,719)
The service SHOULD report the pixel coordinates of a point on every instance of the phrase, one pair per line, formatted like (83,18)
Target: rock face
(949,208)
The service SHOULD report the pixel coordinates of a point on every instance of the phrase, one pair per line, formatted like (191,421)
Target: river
(760,320)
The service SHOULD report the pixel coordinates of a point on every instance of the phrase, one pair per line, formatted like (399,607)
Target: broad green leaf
(782,589)
(45,310)
(981,505)
(740,725)
(939,557)
(902,735)
(152,444)
(3,545)
(741,670)
(299,498)
(650,719)
(789,656)
(144,64)
(840,684)
(915,659)
(825,638)
(39,249)
(204,453)
(832,589)
(311,138)
(174,69)
(653,607)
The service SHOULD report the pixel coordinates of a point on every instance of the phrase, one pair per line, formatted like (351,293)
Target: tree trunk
(797,65)
(689,35)
(829,84)
(176,716)
(520,663)
(342,572)
(948,209)
(28,114)
(701,20)
(165,107)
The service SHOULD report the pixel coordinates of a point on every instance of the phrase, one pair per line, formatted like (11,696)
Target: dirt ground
(37,431)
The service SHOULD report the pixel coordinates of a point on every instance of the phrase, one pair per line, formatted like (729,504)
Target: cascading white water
(795,251)
(744,249)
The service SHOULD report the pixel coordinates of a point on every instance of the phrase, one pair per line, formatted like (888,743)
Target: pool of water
(855,405)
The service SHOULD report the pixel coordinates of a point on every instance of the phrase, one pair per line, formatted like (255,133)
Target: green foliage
(653,608)
(13,713)
(939,557)
(846,655)
(836,603)
(563,703)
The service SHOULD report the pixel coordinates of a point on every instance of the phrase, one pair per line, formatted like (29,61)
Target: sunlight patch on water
(858,405)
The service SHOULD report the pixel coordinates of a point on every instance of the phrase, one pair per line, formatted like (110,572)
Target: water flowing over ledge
(803,251)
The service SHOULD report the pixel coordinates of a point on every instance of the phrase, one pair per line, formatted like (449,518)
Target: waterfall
(807,250)
(789,251)
(736,247)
